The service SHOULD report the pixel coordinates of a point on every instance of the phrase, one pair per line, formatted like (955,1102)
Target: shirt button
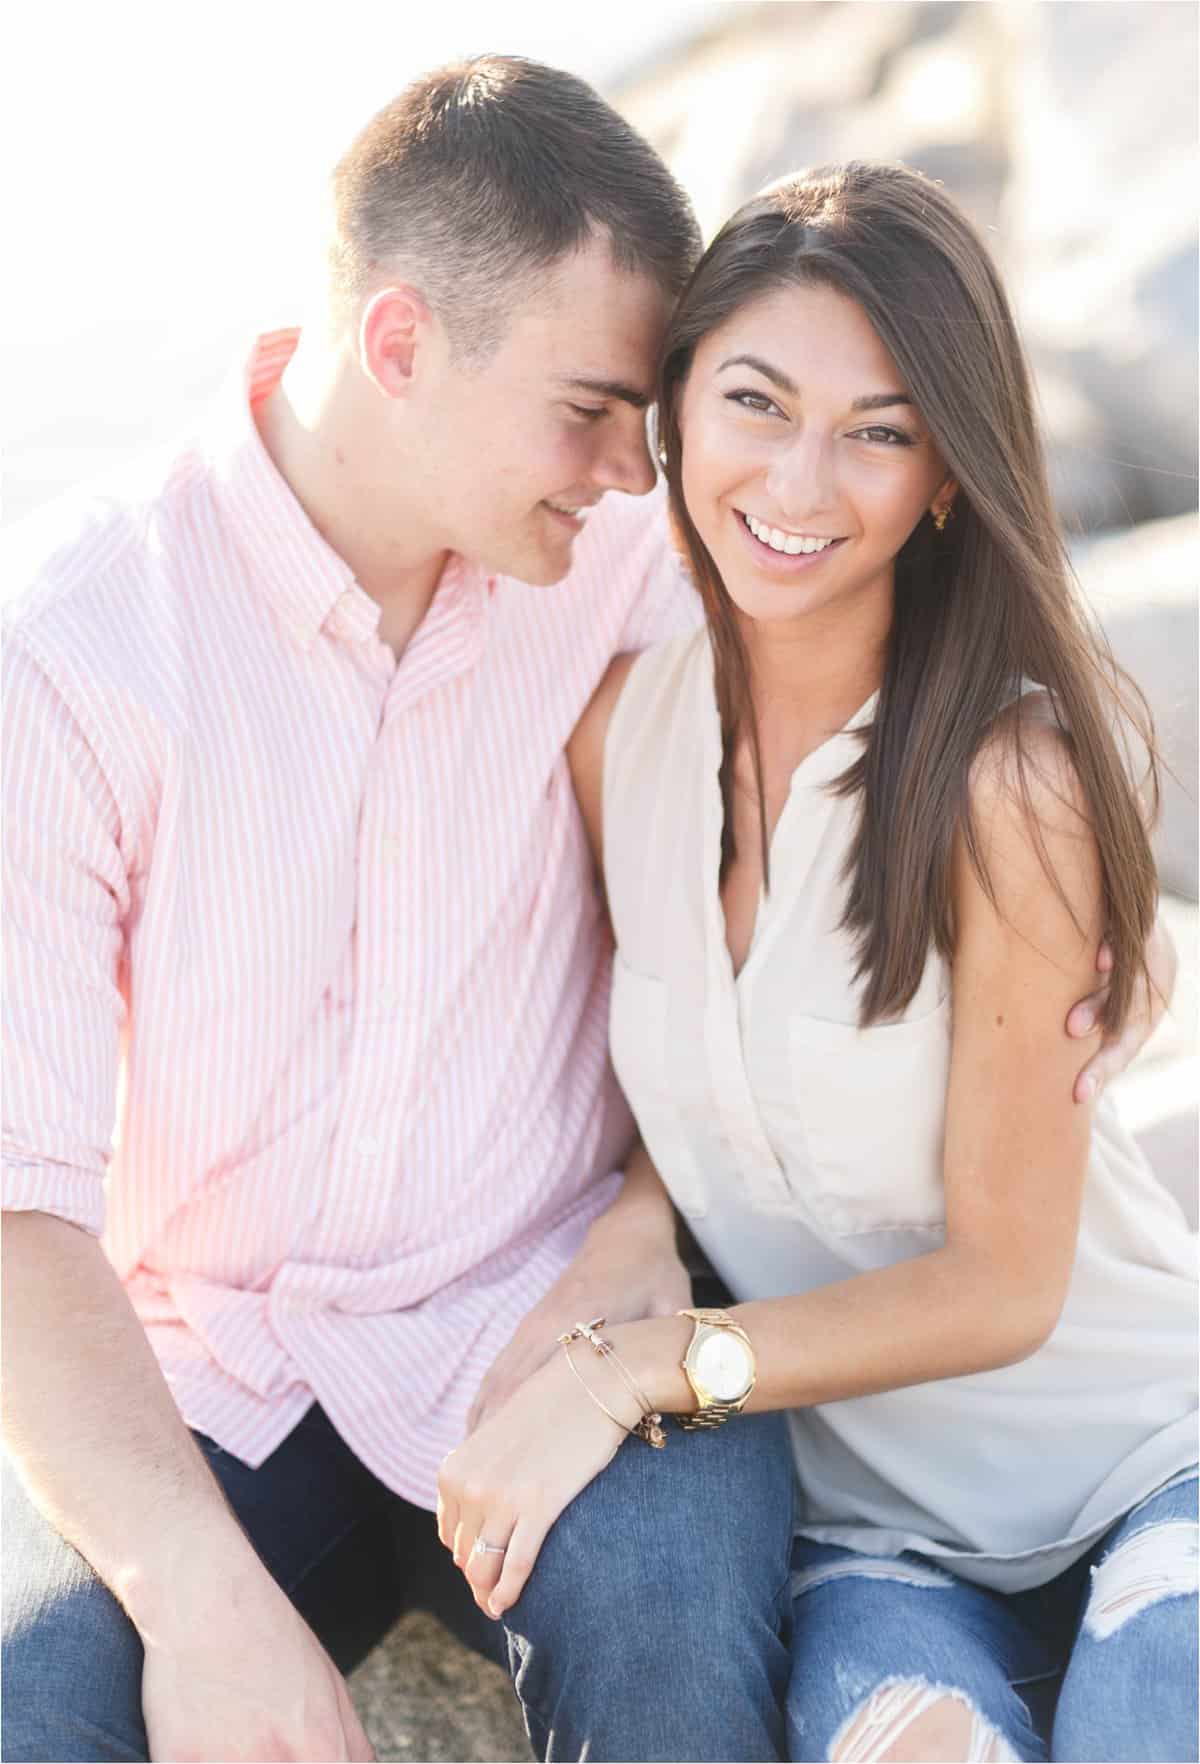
(389,998)
(367,1146)
(840,1219)
(393,845)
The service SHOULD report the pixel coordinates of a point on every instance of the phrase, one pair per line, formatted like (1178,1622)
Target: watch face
(722,1365)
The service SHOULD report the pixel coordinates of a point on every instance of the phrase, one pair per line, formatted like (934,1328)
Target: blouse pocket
(638,1032)
(872,1106)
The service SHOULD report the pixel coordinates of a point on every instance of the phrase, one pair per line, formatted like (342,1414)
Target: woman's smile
(781,550)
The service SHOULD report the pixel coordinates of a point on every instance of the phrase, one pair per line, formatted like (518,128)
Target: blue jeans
(672,1616)
(349,1553)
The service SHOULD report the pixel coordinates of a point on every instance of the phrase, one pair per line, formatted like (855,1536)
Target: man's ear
(394,324)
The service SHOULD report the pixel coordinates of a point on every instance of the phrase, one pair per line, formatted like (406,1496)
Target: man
(288,808)
(289,822)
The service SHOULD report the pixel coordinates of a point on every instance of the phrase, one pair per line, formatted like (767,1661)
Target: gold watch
(719,1366)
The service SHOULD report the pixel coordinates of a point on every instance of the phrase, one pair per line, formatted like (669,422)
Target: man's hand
(621,1276)
(236,1673)
(1117,1051)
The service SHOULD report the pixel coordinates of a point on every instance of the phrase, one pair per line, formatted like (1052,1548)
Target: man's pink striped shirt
(327,924)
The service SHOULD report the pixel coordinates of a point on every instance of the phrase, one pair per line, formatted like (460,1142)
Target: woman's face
(806,464)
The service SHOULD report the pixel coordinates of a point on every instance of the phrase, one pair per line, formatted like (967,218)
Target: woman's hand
(510,1479)
(616,1275)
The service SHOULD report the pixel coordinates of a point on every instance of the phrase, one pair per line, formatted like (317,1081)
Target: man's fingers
(358,1747)
(523,1546)
(1113,1057)
(1083,1017)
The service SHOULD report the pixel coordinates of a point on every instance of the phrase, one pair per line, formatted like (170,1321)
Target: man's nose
(623,460)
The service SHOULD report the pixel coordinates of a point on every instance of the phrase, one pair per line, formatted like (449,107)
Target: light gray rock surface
(1142,584)
(422,1695)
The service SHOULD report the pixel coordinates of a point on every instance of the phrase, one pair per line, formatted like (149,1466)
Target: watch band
(715,1415)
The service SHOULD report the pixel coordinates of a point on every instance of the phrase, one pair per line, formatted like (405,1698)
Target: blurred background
(165,170)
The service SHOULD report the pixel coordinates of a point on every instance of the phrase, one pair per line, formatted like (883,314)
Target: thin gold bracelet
(565,1344)
(649,1427)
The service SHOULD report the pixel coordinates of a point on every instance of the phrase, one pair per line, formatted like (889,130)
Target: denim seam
(1036,1677)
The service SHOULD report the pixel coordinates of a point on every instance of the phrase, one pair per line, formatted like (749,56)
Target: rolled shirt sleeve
(66,900)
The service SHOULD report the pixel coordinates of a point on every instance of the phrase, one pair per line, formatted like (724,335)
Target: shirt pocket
(872,1107)
(641,1056)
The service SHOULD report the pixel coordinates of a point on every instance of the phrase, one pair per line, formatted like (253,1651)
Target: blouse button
(840,1219)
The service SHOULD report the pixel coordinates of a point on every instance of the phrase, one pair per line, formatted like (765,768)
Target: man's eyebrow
(611,389)
(872,400)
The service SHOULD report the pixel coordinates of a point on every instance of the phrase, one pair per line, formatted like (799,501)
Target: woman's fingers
(447,1511)
(482,1568)
(528,1536)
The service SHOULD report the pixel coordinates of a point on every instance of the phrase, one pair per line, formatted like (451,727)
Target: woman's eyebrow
(870,401)
(760,366)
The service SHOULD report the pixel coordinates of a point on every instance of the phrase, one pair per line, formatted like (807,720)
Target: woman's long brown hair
(977,608)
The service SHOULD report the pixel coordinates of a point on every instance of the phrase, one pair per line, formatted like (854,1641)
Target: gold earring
(940,519)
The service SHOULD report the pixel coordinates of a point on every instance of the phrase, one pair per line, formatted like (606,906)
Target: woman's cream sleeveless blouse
(803,1150)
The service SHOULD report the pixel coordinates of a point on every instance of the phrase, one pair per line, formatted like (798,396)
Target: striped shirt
(307,980)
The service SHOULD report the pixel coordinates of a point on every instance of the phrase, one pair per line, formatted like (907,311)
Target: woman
(860,837)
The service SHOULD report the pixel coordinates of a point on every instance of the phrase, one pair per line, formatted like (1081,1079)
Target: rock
(1142,586)
(421,1695)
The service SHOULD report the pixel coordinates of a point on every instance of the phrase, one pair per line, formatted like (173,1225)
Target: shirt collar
(300,573)
(306,580)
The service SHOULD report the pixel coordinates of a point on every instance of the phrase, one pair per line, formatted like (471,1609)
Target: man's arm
(89,1423)
(231,1671)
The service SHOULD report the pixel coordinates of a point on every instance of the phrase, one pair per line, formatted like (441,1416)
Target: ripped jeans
(661,1622)
(1099,1663)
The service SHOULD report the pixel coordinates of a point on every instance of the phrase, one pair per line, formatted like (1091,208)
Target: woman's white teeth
(792,543)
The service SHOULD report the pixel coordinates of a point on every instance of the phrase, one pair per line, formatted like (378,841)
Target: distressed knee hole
(868,1568)
(1161,1562)
(912,1720)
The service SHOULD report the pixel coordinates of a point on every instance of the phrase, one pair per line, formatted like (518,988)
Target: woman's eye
(882,432)
(749,400)
(589,412)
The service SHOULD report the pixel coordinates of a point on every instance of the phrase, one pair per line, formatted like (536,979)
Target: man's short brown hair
(482,174)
